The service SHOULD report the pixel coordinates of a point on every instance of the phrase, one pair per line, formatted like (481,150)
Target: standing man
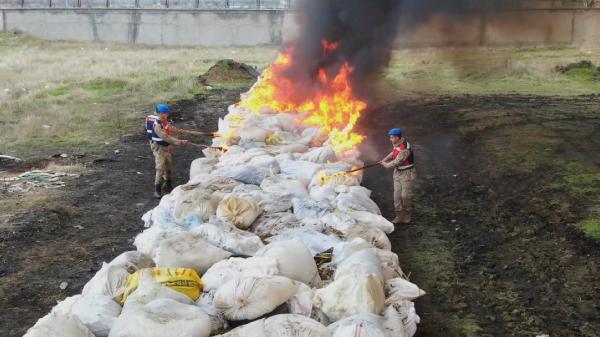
(160,132)
(402,160)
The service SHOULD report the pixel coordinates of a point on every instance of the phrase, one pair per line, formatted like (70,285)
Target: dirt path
(489,245)
(495,260)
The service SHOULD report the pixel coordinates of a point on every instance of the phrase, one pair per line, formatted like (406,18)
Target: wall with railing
(251,27)
(181,4)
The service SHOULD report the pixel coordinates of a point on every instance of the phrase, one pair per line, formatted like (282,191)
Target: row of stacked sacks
(270,238)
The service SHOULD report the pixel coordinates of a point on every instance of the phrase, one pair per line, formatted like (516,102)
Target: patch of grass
(79,94)
(591,227)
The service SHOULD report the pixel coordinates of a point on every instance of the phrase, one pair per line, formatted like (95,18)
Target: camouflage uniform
(162,154)
(403,184)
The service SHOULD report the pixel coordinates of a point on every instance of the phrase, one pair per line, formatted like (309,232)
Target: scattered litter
(28,181)
(63,285)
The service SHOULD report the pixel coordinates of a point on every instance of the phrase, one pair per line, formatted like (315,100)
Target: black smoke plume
(365,31)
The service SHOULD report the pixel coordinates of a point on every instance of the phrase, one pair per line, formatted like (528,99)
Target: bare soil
(495,259)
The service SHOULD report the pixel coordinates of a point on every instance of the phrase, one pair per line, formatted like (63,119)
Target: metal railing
(183,4)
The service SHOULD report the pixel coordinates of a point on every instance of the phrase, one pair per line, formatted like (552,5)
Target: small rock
(453,221)
(117,151)
(79,226)
(63,285)
(64,155)
(140,173)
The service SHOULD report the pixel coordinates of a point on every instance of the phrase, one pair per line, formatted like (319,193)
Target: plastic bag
(251,297)
(58,325)
(188,250)
(97,312)
(163,318)
(294,260)
(239,211)
(183,280)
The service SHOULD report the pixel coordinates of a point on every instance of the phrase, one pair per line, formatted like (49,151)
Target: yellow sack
(183,280)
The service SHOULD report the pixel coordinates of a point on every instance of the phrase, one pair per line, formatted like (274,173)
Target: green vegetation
(483,71)
(67,94)
(590,227)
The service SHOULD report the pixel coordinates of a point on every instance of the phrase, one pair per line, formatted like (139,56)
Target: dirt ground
(494,254)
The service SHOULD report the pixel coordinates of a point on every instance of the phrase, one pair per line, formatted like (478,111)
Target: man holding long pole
(402,161)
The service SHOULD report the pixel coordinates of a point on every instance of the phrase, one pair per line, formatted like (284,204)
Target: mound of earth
(585,69)
(229,71)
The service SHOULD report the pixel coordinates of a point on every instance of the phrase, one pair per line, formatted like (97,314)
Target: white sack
(109,281)
(266,161)
(253,329)
(274,223)
(294,260)
(351,295)
(364,325)
(97,312)
(132,261)
(399,289)
(228,237)
(291,325)
(251,297)
(284,186)
(319,155)
(59,325)
(275,203)
(163,318)
(246,174)
(217,321)
(188,250)
(402,322)
(253,134)
(293,148)
(235,267)
(239,211)
(201,166)
(356,199)
(339,221)
(148,240)
(298,169)
(309,208)
(362,262)
(194,201)
(323,193)
(221,184)
(370,219)
(390,264)
(372,235)
(301,303)
(345,249)
(315,241)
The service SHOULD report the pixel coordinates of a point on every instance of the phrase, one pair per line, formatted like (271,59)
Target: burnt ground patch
(492,241)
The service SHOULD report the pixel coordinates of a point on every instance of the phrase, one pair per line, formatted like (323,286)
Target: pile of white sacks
(250,222)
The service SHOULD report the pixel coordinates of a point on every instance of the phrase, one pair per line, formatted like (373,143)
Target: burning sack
(239,211)
(251,297)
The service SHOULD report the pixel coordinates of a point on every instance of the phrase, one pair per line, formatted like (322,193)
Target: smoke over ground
(365,32)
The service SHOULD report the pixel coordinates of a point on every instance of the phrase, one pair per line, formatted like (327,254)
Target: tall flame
(329,103)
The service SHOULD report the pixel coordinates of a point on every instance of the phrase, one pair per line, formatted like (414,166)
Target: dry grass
(77,94)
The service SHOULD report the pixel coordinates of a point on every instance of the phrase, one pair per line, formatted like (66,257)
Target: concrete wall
(148,26)
(272,27)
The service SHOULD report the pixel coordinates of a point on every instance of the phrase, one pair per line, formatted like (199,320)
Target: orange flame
(329,103)
(328,47)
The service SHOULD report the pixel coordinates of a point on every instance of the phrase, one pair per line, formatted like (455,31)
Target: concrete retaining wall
(272,27)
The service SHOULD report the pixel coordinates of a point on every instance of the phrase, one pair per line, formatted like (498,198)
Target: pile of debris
(225,71)
(31,180)
(273,233)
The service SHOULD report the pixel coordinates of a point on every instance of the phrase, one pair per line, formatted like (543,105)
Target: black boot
(168,186)
(157,192)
